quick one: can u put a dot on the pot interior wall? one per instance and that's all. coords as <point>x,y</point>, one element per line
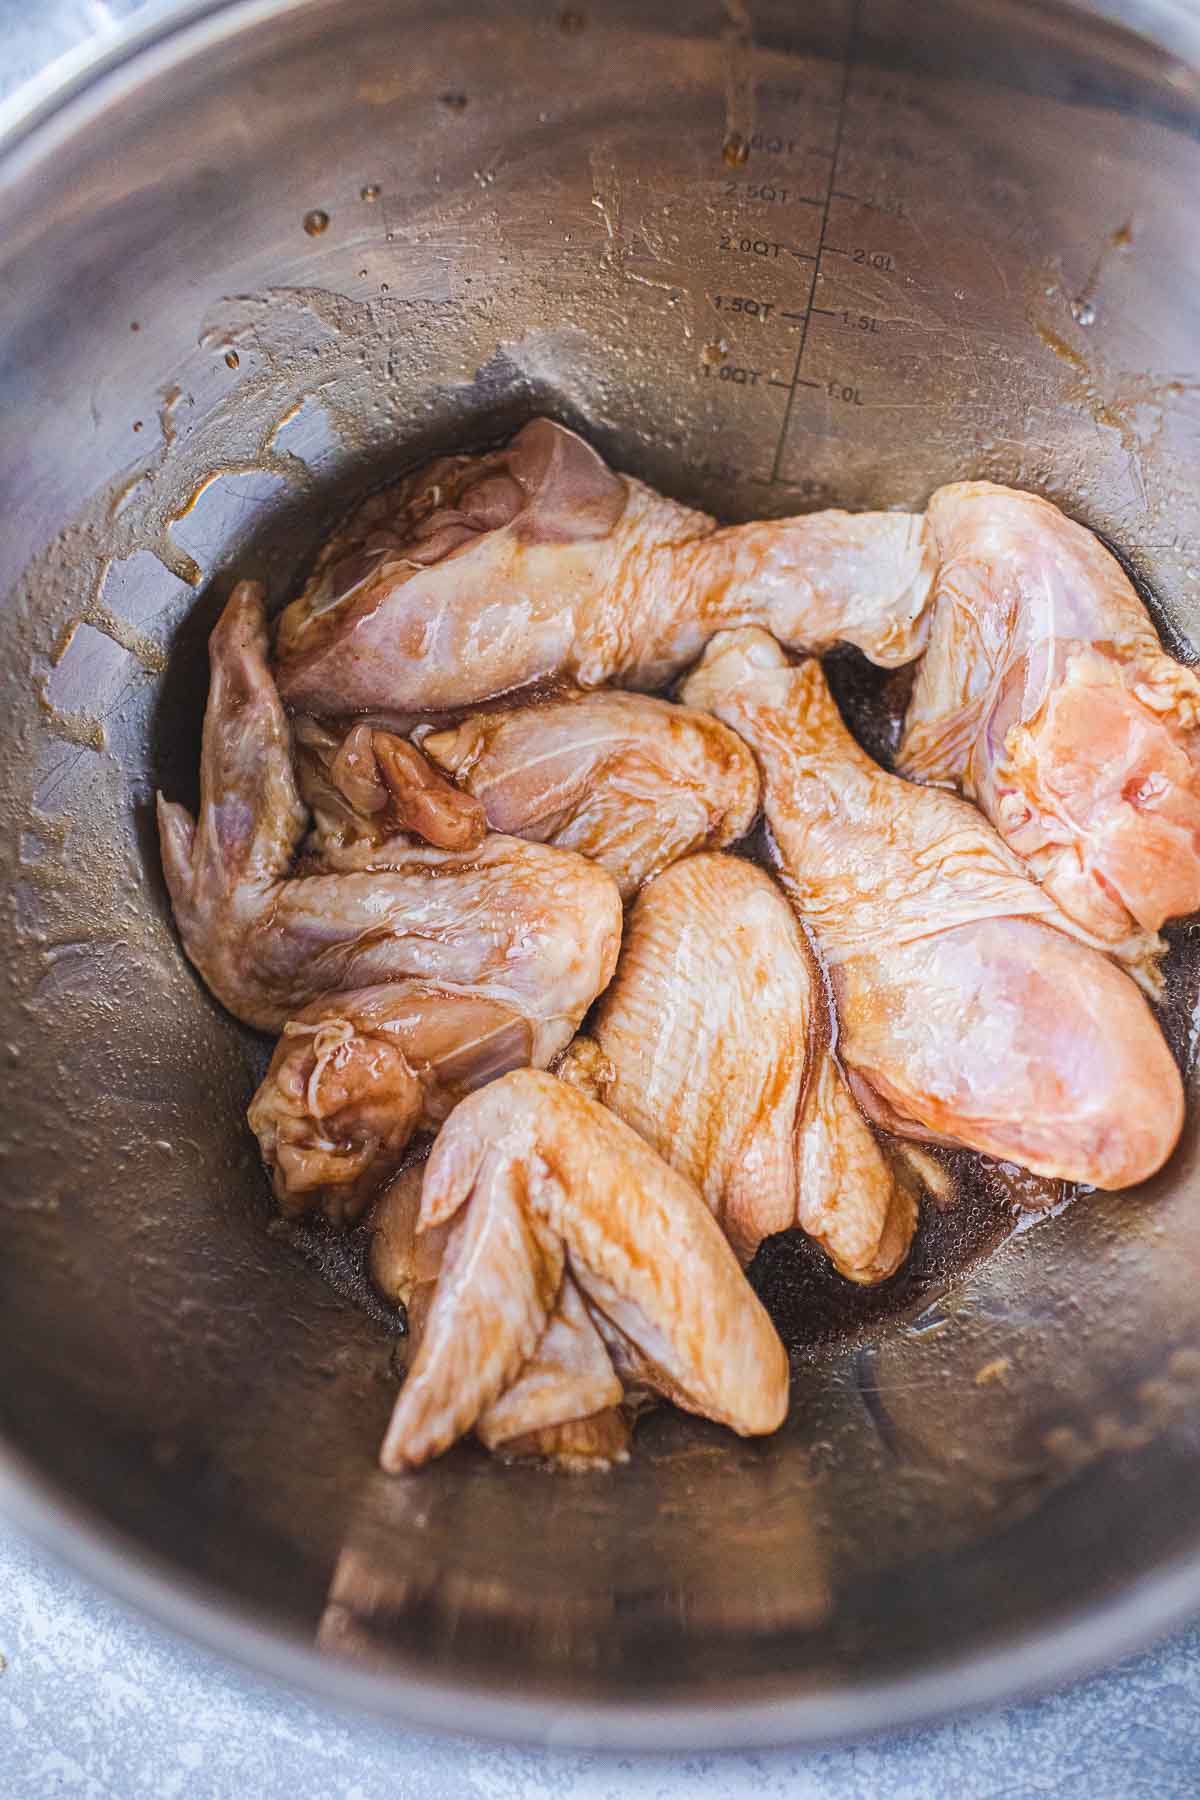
<point>857,249</point>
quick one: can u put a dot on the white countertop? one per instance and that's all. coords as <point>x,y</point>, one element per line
<point>97,1704</point>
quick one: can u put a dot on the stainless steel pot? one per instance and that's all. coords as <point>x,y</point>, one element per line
<point>770,257</point>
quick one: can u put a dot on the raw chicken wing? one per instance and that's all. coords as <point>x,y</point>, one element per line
<point>716,1042</point>
<point>368,785</point>
<point>631,782</point>
<point>224,867</point>
<point>562,1407</point>
<point>967,1014</point>
<point>479,575</point>
<point>354,1075</point>
<point>528,926</point>
<point>538,1181</point>
<point>403,1262</point>
<point>1046,697</point>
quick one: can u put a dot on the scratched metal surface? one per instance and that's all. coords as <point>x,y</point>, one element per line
<point>765,374</point>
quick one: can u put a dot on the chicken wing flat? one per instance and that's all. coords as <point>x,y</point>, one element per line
<point>538,1179</point>
<point>479,575</point>
<point>716,1044</point>
<point>528,926</point>
<point>525,924</point>
<point>631,782</point>
<point>1046,697</point>
<point>967,1013</point>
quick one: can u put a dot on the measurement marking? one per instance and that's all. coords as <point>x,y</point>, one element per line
<point>826,312</point>
<point>787,315</point>
<point>847,67</point>
<point>802,256</point>
<point>841,194</point>
<point>832,250</point>
<point>800,381</point>
<point>752,191</point>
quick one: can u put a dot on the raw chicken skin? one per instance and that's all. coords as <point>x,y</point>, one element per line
<point>715,1036</point>
<point>967,1014</point>
<point>1046,697</point>
<point>540,937</point>
<point>527,926</point>
<point>388,786</point>
<point>568,1379</point>
<point>631,782</point>
<point>223,868</point>
<point>353,1076</point>
<point>576,1445</point>
<point>346,816</point>
<point>562,1407</point>
<point>480,575</point>
<point>404,1262</point>
<point>538,1181</point>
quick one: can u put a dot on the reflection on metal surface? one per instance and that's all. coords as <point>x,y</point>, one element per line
<point>595,1573</point>
<point>874,274</point>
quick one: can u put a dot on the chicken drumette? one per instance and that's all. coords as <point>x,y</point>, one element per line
<point>967,1013</point>
<point>479,575</point>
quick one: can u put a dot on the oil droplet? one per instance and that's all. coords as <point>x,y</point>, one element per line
<point>316,221</point>
<point>137,424</point>
<point>370,192</point>
<point>571,21</point>
<point>736,150</point>
<point>1083,312</point>
<point>362,274</point>
<point>714,354</point>
<point>134,326</point>
<point>383,287</point>
<point>453,102</point>
<point>232,359</point>
<point>1122,237</point>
